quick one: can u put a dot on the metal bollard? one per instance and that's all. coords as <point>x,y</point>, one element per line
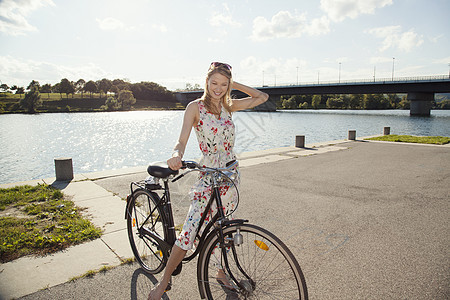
<point>300,141</point>
<point>386,130</point>
<point>63,169</point>
<point>352,135</point>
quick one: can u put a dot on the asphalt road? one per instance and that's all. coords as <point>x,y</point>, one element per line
<point>370,221</point>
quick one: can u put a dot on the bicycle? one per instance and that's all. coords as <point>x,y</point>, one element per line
<point>257,264</point>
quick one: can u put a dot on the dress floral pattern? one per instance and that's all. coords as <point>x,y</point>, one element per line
<point>215,136</point>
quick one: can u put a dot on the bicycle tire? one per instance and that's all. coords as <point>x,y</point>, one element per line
<point>143,211</point>
<point>271,266</point>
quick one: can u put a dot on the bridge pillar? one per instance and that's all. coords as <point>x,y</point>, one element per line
<point>420,103</point>
<point>181,98</point>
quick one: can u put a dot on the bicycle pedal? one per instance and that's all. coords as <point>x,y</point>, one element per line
<point>168,288</point>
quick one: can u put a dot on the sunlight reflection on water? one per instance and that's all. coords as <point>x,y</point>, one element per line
<point>114,140</point>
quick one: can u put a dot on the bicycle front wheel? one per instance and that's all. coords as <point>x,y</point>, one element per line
<point>262,265</point>
<point>144,213</point>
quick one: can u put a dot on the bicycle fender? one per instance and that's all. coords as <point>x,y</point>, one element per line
<point>126,206</point>
<point>228,223</point>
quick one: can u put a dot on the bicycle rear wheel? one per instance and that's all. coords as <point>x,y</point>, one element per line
<point>143,212</point>
<point>264,267</point>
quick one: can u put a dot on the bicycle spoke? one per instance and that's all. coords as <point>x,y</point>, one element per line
<point>263,259</point>
<point>145,214</point>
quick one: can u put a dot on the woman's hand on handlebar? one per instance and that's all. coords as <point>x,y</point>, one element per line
<point>175,163</point>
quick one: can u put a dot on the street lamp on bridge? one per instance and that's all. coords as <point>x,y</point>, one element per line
<point>393,60</point>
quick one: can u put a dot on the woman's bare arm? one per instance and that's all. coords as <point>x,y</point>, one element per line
<point>191,117</point>
<point>256,97</point>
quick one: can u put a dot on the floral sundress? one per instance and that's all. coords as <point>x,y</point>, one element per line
<point>215,137</point>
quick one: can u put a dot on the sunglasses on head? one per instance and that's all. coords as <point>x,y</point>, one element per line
<point>219,64</point>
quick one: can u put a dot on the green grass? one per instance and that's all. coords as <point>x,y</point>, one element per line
<point>39,220</point>
<point>104,269</point>
<point>438,140</point>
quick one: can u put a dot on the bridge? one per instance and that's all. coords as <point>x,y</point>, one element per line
<point>420,90</point>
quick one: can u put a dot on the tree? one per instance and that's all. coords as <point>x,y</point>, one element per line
<point>34,83</point>
<point>377,101</point>
<point>151,91</point>
<point>404,103</point>
<point>4,87</point>
<point>32,100</point>
<point>444,104</point>
<point>190,87</point>
<point>115,89</point>
<point>56,89</point>
<point>122,84</point>
<point>336,102</point>
<point>20,91</point>
<point>104,86</point>
<point>288,103</point>
<point>79,86</point>
<point>90,87</point>
<point>304,105</point>
<point>316,101</point>
<point>355,101</point>
<point>46,88</point>
<point>394,100</point>
<point>126,99</point>
<point>65,86</point>
<point>111,103</point>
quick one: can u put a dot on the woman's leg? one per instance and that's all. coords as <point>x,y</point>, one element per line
<point>176,256</point>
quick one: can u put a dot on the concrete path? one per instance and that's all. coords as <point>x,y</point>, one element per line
<point>366,220</point>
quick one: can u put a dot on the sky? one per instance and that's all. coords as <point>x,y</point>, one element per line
<point>270,43</point>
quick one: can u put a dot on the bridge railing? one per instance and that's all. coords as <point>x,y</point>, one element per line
<point>412,79</point>
<point>366,81</point>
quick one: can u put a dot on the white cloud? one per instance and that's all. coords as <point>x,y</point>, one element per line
<point>224,18</point>
<point>318,26</point>
<point>21,72</point>
<point>110,24</point>
<point>393,37</point>
<point>286,25</point>
<point>13,14</point>
<point>339,10</point>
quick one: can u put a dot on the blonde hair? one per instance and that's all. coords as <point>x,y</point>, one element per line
<point>226,100</point>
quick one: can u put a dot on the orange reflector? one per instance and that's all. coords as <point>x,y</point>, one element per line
<point>134,222</point>
<point>261,245</point>
<point>159,252</point>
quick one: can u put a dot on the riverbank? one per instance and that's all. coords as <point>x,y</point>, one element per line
<point>75,105</point>
<point>339,203</point>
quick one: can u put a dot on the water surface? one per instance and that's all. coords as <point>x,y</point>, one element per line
<point>114,140</point>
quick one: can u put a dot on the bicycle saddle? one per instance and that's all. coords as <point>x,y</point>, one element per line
<point>160,171</point>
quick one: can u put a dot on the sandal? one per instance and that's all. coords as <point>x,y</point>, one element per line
<point>222,279</point>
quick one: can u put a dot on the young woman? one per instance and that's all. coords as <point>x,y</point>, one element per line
<point>211,118</point>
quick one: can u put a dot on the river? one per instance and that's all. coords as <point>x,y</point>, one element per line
<point>114,140</point>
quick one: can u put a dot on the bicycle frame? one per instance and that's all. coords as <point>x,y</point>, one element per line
<point>165,203</point>
<point>214,227</point>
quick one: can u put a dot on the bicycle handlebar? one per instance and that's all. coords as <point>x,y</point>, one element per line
<point>194,166</point>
